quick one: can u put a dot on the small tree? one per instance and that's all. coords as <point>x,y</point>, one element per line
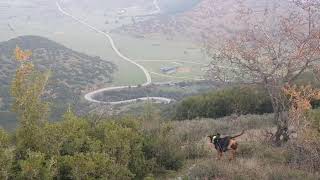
<point>300,98</point>
<point>35,166</point>
<point>27,89</point>
<point>272,49</point>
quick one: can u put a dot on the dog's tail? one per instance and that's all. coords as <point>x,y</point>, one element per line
<point>238,135</point>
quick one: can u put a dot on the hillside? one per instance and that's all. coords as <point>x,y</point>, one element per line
<point>176,6</point>
<point>206,17</point>
<point>108,4</point>
<point>73,72</point>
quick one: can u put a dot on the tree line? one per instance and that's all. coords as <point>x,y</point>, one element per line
<point>232,100</point>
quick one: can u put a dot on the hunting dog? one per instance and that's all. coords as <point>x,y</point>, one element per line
<point>224,144</point>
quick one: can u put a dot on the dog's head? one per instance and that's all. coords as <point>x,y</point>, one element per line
<point>214,136</point>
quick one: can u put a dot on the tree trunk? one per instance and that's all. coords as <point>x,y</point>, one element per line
<point>281,136</point>
<point>280,115</point>
<point>281,118</point>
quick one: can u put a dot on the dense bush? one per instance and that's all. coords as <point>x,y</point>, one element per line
<point>77,148</point>
<point>240,100</point>
<point>163,149</point>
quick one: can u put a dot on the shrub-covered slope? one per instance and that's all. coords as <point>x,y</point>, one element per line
<point>72,72</point>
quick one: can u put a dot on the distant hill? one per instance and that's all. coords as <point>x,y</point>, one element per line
<point>103,4</point>
<point>72,72</point>
<point>176,6</point>
<point>199,18</point>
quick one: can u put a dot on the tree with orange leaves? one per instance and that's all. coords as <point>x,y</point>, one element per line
<point>300,98</point>
<point>273,49</point>
<point>21,55</point>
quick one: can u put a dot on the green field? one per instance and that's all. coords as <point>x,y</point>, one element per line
<point>153,49</point>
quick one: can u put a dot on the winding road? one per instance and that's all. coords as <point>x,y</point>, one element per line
<point>156,4</point>
<point>91,96</point>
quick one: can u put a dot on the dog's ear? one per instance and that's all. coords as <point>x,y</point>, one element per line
<point>218,135</point>
<point>211,137</point>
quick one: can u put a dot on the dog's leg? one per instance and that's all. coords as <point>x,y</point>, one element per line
<point>233,147</point>
<point>219,155</point>
<point>233,154</point>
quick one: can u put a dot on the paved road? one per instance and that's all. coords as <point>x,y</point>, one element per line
<point>114,47</point>
<point>156,4</point>
<point>90,96</point>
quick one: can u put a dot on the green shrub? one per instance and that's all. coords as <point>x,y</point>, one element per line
<point>4,139</point>
<point>94,166</point>
<point>6,162</point>
<point>160,146</point>
<point>36,166</point>
<point>314,117</point>
<point>240,100</point>
<point>167,156</point>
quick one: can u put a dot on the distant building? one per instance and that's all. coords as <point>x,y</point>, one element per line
<point>121,11</point>
<point>168,70</point>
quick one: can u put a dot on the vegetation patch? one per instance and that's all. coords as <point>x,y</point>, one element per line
<point>72,73</point>
<point>240,100</point>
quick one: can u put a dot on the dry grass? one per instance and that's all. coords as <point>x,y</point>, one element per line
<point>256,159</point>
<point>196,130</point>
<point>254,162</point>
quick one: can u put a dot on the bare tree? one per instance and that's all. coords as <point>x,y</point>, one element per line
<point>273,49</point>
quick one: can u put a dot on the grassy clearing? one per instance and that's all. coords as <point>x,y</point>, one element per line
<point>256,159</point>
